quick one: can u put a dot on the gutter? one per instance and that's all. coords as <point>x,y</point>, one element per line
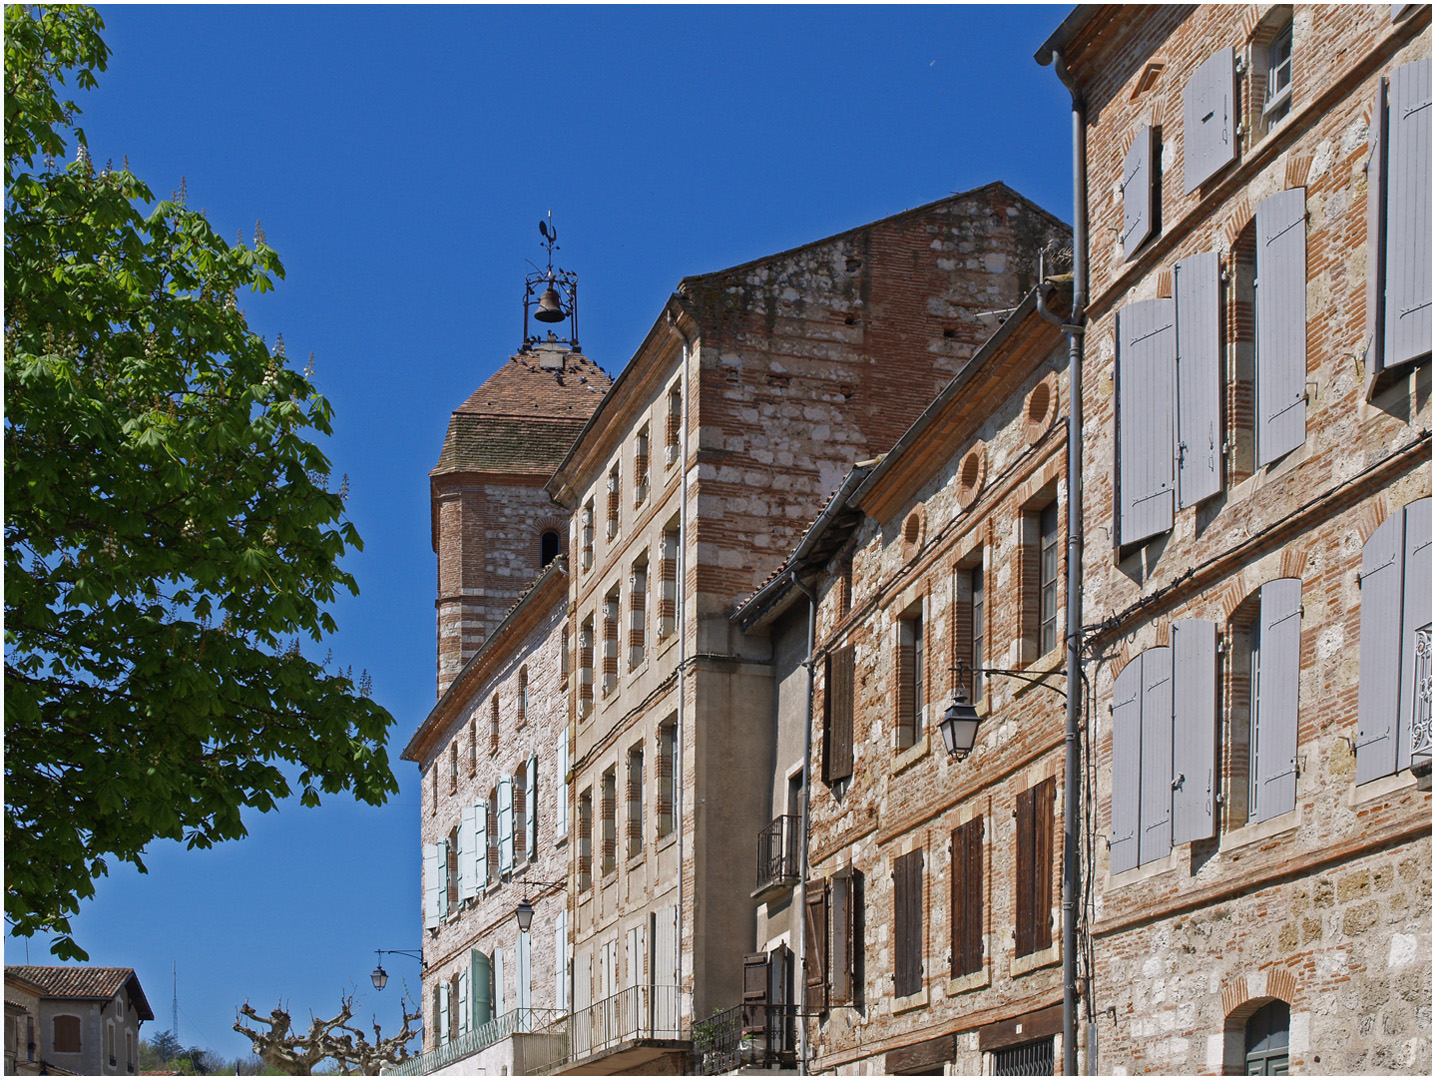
<point>801,907</point>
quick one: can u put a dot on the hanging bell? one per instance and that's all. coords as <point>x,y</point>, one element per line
<point>550,307</point>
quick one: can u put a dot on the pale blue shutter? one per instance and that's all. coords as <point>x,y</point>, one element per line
<point>500,1008</point>
<point>432,912</point>
<point>1137,192</point>
<point>1196,281</point>
<point>1281,324</point>
<point>1194,729</point>
<point>480,991</point>
<point>1415,614</point>
<point>1209,118</point>
<point>506,824</point>
<point>1277,683</point>
<point>531,817</point>
<point>1146,387</point>
<point>463,1014</point>
<point>1376,141</point>
<point>1126,765</point>
<point>444,1013</point>
<point>560,962</point>
<point>481,845</point>
<point>1154,841</point>
<point>1408,204</point>
<point>1379,676</point>
<point>560,789</point>
<point>468,843</point>
<point>524,972</point>
<point>442,876</point>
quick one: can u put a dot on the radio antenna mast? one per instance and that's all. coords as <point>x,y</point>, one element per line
<point>174,1002</point>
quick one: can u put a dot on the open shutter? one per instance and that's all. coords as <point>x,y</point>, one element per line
<point>525,972</point>
<point>465,1017</point>
<point>1044,805</point>
<point>444,1006</point>
<point>1026,871</point>
<point>1137,192</point>
<point>531,818</point>
<point>1277,680</point>
<point>506,824</point>
<point>441,876</point>
<point>500,1004</point>
<point>560,961</point>
<point>755,993</point>
<point>838,715</point>
<point>1408,204</point>
<point>1209,118</point>
<point>481,999</point>
<point>1194,729</point>
<point>560,788</point>
<point>815,953</point>
<point>1126,764</point>
<point>481,846</point>
<point>1281,324</point>
<point>1415,614</point>
<point>1376,142</point>
<point>433,912</point>
<point>1196,281</point>
<point>468,843</point>
<point>1379,682</point>
<point>1146,389</point>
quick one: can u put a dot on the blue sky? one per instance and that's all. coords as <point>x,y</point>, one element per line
<point>399,160</point>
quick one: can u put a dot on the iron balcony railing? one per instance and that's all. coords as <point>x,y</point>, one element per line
<point>514,1022</point>
<point>754,1036</point>
<point>778,847</point>
<point>1421,703</point>
<point>634,1014</point>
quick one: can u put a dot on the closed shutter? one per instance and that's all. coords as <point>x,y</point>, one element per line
<point>560,962</point>
<point>532,817</point>
<point>1376,142</point>
<point>462,1014</point>
<point>1281,324</point>
<point>1155,839</point>
<point>1408,202</point>
<point>560,788</point>
<point>468,847</point>
<point>1416,613</point>
<point>1196,280</point>
<point>444,1013</point>
<point>1137,177</point>
<point>524,973</point>
<point>755,993</point>
<point>500,1003</point>
<point>1277,681</point>
<point>907,924</point>
<point>1026,871</point>
<point>843,961</point>
<point>906,724</point>
<point>1146,389</point>
<point>663,778</point>
<point>491,831</point>
<point>1126,765</point>
<point>838,715</point>
<point>441,875</point>
<point>1194,729</point>
<point>506,824</point>
<point>480,988</point>
<point>1379,681</point>
<point>815,953</point>
<point>1209,118</point>
<point>967,898</point>
<point>1044,817</point>
<point>433,910</point>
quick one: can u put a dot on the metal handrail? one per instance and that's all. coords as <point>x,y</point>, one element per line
<point>514,1022</point>
<point>747,1036</point>
<point>779,844</point>
<point>634,1013</point>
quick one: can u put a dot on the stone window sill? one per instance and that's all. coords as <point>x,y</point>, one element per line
<point>1380,788</point>
<point>910,756</point>
<point>1152,869</point>
<point>912,1001</point>
<point>973,980</point>
<point>1042,958</point>
<point>1261,830</point>
<point>668,840</point>
<point>634,862</point>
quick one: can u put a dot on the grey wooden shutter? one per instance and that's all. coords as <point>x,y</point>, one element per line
<point>531,820</point>
<point>444,1013</point>
<point>815,954</point>
<point>506,824</point>
<point>1146,388</point>
<point>1281,324</point>
<point>463,1016</point>
<point>481,998</point>
<point>432,911</point>
<point>499,1002</point>
<point>1415,614</point>
<point>1408,202</point>
<point>560,961</point>
<point>441,877</point>
<point>1277,683</point>
<point>1194,729</point>
<point>1154,841</point>
<point>755,993</point>
<point>1379,682</point>
<point>1196,281</point>
<point>1209,118</point>
<point>468,843</point>
<point>524,973</point>
<point>1376,141</point>
<point>1126,765</point>
<point>1137,185</point>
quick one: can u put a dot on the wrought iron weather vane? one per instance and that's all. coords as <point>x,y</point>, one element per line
<point>552,293</point>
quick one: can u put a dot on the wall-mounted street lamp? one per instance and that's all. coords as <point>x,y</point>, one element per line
<point>960,722</point>
<point>380,977</point>
<point>525,911</point>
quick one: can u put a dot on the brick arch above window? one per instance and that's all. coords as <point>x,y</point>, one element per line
<point>1246,992</point>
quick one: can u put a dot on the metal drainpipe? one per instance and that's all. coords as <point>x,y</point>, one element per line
<point>680,600</point>
<point>799,977</point>
<point>1074,329</point>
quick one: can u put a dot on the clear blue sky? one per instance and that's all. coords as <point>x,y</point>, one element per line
<point>400,159</point>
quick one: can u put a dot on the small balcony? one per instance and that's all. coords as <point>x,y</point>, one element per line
<point>754,1036</point>
<point>779,846</point>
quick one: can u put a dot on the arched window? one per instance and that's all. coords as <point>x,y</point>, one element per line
<point>548,547</point>
<point>1267,1040</point>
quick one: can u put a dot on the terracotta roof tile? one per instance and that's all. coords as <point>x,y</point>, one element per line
<point>84,982</point>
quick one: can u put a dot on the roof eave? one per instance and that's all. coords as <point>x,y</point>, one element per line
<point>1069,28</point>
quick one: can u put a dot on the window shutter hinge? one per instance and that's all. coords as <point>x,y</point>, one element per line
<point>1177,781</point>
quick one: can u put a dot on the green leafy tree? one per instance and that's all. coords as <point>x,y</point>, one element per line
<point>169,529</point>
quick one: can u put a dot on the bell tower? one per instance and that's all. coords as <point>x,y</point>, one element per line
<point>493,526</point>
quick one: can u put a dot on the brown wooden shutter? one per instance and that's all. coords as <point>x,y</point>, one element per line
<point>967,898</point>
<point>755,993</point>
<point>1042,812</point>
<point>906,701</point>
<point>907,924</point>
<point>838,715</point>
<point>1025,872</point>
<point>815,953</point>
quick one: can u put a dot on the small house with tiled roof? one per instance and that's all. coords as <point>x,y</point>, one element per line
<point>73,1019</point>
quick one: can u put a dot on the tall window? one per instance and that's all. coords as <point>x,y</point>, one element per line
<point>521,828</point>
<point>907,924</point>
<point>523,701</point>
<point>967,898</point>
<point>585,839</point>
<point>979,652</point>
<point>548,547</point>
<point>585,667</point>
<point>451,869</point>
<point>967,629</point>
<point>563,657</point>
<point>494,724</point>
<point>1268,1040</point>
<point>1278,84</point>
<point>609,812</point>
<point>635,801</point>
<point>473,746</point>
<point>668,581</point>
<point>610,642</point>
<point>586,521</point>
<point>1047,630</point>
<point>675,424</point>
<point>667,776</point>
<point>838,715</point>
<point>491,831</point>
<point>640,466</point>
<point>909,678</point>
<point>638,612</point>
<point>615,492</point>
<point>453,766</point>
<point>434,788</point>
<point>1035,808</point>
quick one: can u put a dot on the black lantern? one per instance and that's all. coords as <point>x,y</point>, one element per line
<point>959,726</point>
<point>525,915</point>
<point>380,977</point>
